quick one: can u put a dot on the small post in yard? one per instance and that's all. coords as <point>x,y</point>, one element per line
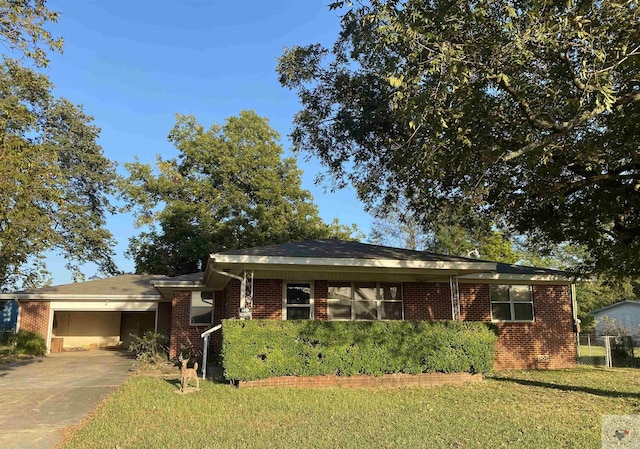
<point>204,356</point>
<point>607,352</point>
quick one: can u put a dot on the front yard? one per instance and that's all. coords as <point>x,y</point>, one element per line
<point>522,409</point>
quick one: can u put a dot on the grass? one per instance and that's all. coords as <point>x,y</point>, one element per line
<point>598,351</point>
<point>523,409</point>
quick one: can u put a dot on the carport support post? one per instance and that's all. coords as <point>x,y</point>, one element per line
<point>455,298</point>
<point>50,328</point>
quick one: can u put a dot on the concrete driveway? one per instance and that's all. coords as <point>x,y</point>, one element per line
<point>40,397</point>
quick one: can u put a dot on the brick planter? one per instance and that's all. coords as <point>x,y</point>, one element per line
<point>389,380</point>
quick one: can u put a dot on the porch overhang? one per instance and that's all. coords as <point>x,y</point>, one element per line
<point>355,269</point>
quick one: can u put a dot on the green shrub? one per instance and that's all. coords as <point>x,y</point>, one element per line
<point>259,349</point>
<point>29,343</point>
<point>150,348</point>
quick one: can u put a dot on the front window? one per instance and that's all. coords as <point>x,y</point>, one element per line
<point>364,301</point>
<point>201,308</point>
<point>511,303</point>
<point>297,301</point>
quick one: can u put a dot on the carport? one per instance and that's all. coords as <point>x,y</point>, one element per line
<point>101,324</point>
<point>94,314</point>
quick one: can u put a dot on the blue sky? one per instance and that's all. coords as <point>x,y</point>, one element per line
<point>134,64</point>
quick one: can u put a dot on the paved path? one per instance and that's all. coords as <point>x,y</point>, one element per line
<point>40,397</point>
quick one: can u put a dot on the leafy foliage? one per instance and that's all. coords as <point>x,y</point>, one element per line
<point>397,225</point>
<point>152,347</point>
<point>27,343</point>
<point>22,29</point>
<point>259,349</point>
<point>599,293</point>
<point>229,188</point>
<point>525,114</point>
<point>54,180</point>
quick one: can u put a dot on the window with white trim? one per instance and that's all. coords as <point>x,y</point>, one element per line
<point>297,303</point>
<point>364,301</point>
<point>201,308</point>
<point>511,303</point>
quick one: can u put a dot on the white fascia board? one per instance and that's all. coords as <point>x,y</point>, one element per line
<point>106,305</point>
<point>351,262</point>
<point>61,296</point>
<point>177,284</point>
<point>510,277</point>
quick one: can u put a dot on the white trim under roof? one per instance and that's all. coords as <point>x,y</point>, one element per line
<point>66,297</point>
<point>350,262</point>
<point>183,284</point>
<point>511,277</point>
<point>106,305</point>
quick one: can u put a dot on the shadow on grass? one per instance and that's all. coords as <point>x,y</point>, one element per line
<point>590,390</point>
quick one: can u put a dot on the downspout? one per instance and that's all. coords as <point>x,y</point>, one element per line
<point>574,314</point>
<point>242,286</point>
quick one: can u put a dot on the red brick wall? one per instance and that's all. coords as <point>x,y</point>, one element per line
<point>34,317</point>
<point>320,293</point>
<point>548,342</point>
<point>233,299</point>
<point>474,302</point>
<point>164,318</point>
<point>426,301</point>
<point>267,299</point>
<point>183,335</point>
<point>219,313</point>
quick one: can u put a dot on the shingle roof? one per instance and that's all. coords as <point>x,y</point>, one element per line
<point>341,249</point>
<point>521,269</point>
<point>617,304</point>
<point>126,284</point>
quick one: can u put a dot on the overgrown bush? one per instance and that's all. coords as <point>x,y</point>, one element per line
<point>150,348</point>
<point>259,349</point>
<point>27,343</point>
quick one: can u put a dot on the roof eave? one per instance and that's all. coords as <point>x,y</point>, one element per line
<point>614,305</point>
<point>222,260</point>
<point>76,297</point>
<point>512,277</point>
<point>177,284</point>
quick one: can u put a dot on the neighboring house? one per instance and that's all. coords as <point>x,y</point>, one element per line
<point>325,279</point>
<point>620,318</point>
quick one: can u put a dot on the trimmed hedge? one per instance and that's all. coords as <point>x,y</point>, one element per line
<point>259,349</point>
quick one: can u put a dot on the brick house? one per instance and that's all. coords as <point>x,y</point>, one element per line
<point>324,279</point>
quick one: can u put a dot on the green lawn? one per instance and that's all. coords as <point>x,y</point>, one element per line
<point>592,351</point>
<point>598,351</point>
<point>524,409</point>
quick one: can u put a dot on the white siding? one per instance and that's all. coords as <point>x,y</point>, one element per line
<point>625,316</point>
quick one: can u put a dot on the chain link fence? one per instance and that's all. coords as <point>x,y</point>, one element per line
<point>609,351</point>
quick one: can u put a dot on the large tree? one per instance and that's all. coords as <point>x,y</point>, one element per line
<point>526,112</point>
<point>229,188</point>
<point>396,225</point>
<point>54,179</point>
